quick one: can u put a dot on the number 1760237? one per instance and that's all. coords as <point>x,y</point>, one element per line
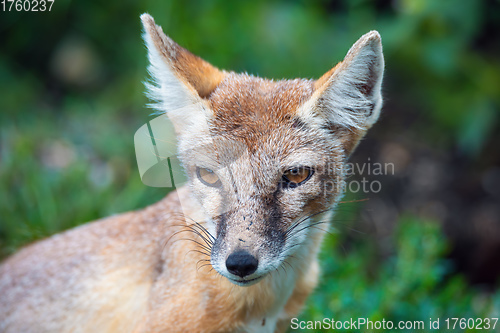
<point>26,5</point>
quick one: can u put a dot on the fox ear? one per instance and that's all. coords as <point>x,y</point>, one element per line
<point>350,93</point>
<point>348,98</point>
<point>180,79</point>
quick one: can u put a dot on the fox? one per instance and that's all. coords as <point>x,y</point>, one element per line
<point>236,248</point>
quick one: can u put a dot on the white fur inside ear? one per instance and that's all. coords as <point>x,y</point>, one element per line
<point>167,90</point>
<point>352,97</point>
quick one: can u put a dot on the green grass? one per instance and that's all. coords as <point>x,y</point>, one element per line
<point>61,171</point>
<point>412,284</point>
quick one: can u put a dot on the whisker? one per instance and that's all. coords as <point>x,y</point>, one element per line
<point>205,240</point>
<point>307,217</point>
<point>201,266</point>
<point>194,241</point>
<point>290,265</point>
<point>205,231</point>
<point>201,252</point>
<point>190,229</point>
<point>351,201</point>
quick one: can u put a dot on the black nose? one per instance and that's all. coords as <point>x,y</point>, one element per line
<point>241,263</point>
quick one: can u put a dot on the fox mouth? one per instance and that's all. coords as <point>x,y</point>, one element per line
<point>245,282</point>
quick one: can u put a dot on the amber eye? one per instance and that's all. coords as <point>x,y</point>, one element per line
<point>296,176</point>
<point>207,177</point>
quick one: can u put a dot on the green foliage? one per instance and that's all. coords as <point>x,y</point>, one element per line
<point>412,284</point>
<point>52,180</point>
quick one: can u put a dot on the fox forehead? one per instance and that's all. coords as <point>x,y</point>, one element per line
<point>259,111</point>
<point>242,99</point>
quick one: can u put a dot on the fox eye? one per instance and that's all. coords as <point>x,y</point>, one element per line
<point>296,176</point>
<point>208,177</point>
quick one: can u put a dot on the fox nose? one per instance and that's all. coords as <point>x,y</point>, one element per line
<point>241,263</point>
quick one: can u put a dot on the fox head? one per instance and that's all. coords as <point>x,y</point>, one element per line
<point>264,158</point>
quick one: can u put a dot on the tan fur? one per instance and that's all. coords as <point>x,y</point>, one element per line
<point>154,270</point>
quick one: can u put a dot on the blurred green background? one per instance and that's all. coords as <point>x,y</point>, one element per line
<point>426,246</point>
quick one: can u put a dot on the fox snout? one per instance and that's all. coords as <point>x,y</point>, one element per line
<point>248,243</point>
<point>242,265</point>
